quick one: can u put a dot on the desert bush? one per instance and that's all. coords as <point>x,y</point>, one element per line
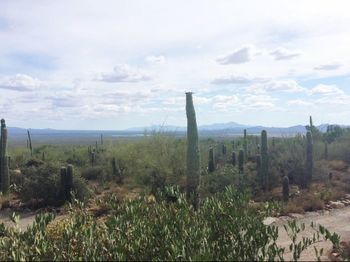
<point>218,180</point>
<point>42,185</point>
<point>224,228</point>
<point>95,173</point>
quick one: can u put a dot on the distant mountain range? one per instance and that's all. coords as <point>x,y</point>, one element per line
<point>217,129</point>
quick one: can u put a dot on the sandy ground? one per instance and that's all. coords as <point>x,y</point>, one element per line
<point>336,220</point>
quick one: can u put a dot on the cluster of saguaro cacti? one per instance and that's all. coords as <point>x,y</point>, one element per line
<point>193,157</point>
<point>285,188</point>
<point>116,171</point>
<point>241,161</point>
<point>264,161</point>
<point>4,160</point>
<point>211,162</point>
<point>67,174</point>
<point>309,159</point>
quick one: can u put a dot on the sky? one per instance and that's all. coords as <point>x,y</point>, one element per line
<point>112,64</point>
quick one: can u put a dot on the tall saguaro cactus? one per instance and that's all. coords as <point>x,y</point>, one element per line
<point>258,169</point>
<point>264,160</point>
<point>193,158</point>
<point>245,145</point>
<point>241,161</point>
<point>285,188</point>
<point>309,158</point>
<point>116,171</point>
<point>67,174</point>
<point>4,160</point>
<point>30,143</point>
<point>211,162</point>
<point>233,158</point>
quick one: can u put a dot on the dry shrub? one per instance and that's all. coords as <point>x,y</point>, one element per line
<point>338,165</point>
<point>291,207</point>
<point>310,201</point>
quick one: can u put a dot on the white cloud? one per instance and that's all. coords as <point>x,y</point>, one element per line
<point>298,102</point>
<point>155,59</point>
<point>289,86</point>
<point>239,56</point>
<point>329,66</point>
<point>124,73</point>
<point>20,82</point>
<point>282,53</point>
<point>322,89</point>
<point>259,102</point>
<point>238,79</point>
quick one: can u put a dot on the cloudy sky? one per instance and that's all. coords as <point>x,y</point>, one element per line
<point>117,64</point>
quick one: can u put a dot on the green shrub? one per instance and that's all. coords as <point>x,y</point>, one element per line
<point>218,180</point>
<point>94,173</point>
<point>42,185</point>
<point>224,228</point>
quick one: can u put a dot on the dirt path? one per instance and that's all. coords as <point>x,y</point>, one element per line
<point>336,220</point>
<point>26,218</point>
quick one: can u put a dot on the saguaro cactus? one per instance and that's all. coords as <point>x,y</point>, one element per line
<point>93,158</point>
<point>285,188</point>
<point>116,171</point>
<point>233,158</point>
<point>309,158</point>
<point>211,162</point>
<point>241,161</point>
<point>69,182</point>
<point>193,158</point>
<point>63,182</point>
<point>245,145</point>
<point>4,160</point>
<point>264,161</point>
<point>258,169</point>
<point>30,143</point>
<point>224,149</point>
<point>101,139</point>
<point>325,150</point>
<point>43,156</point>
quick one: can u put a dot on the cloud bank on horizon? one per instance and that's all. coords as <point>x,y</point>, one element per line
<point>114,64</point>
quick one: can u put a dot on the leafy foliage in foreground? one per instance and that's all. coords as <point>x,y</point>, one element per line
<point>224,228</point>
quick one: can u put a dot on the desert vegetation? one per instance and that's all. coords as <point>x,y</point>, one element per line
<point>165,197</point>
